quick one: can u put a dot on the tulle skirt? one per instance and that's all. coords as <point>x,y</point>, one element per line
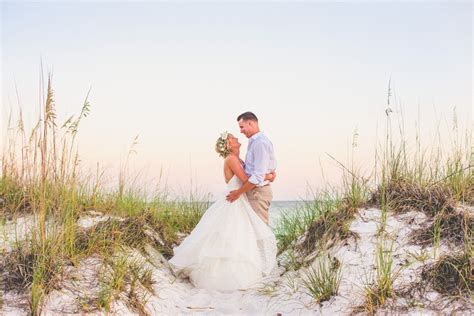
<point>231,248</point>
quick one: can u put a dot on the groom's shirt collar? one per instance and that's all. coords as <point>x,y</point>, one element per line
<point>255,136</point>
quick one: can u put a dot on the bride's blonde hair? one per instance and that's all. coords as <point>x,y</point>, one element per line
<point>222,145</point>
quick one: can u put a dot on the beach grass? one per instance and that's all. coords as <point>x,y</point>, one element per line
<point>294,223</point>
<point>41,182</point>
<point>322,280</point>
<point>437,181</point>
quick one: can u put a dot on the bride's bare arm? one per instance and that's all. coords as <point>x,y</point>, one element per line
<point>234,165</point>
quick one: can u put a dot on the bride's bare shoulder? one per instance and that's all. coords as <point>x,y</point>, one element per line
<point>232,162</point>
<point>231,159</point>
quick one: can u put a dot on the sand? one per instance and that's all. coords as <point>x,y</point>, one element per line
<point>282,292</point>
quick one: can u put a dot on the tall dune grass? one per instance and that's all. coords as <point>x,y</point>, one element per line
<point>41,179</point>
<point>406,176</point>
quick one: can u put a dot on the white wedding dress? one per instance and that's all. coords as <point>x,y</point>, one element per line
<point>231,248</point>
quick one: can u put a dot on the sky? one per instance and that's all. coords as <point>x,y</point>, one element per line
<point>177,74</point>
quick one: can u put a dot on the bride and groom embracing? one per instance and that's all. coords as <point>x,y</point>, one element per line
<point>232,247</point>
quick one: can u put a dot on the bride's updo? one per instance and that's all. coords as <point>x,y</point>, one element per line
<point>222,145</point>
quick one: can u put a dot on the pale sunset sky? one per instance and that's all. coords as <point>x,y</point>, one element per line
<point>179,73</point>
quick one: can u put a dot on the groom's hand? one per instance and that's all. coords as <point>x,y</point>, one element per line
<point>233,195</point>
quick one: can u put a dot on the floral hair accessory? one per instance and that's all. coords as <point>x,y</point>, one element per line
<point>222,147</point>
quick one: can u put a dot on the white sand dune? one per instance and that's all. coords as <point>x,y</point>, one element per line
<point>281,293</point>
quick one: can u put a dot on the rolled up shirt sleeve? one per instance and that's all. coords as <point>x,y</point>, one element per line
<point>261,159</point>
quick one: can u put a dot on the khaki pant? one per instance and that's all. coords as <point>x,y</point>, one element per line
<point>260,199</point>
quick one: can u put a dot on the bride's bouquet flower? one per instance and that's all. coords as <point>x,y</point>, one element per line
<point>222,145</point>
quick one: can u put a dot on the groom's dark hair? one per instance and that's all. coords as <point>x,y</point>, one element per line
<point>247,116</point>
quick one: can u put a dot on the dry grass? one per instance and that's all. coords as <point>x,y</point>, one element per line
<point>451,275</point>
<point>29,267</point>
<point>449,227</point>
<point>137,231</point>
<point>404,195</point>
<point>329,228</point>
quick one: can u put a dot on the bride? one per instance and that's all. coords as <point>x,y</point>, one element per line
<point>231,247</point>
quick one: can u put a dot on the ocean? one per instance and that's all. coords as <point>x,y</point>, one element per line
<point>278,207</point>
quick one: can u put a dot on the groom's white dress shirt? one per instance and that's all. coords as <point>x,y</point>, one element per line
<point>260,159</point>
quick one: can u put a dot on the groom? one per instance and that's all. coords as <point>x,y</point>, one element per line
<point>260,160</point>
